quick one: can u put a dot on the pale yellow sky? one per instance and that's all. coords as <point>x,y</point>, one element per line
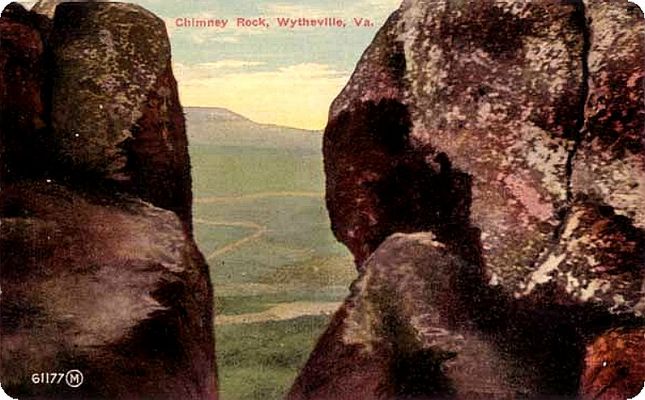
<point>276,76</point>
<point>295,96</point>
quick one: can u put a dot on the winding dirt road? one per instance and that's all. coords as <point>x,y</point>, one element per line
<point>278,312</point>
<point>256,196</point>
<point>259,230</point>
<point>281,312</point>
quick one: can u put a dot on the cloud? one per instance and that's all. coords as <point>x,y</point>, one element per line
<point>230,64</point>
<point>295,11</point>
<point>207,70</point>
<point>310,70</point>
<point>296,95</point>
<point>372,9</point>
<point>225,39</point>
<point>379,5</point>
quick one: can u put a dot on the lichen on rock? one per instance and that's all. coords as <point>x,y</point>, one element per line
<point>420,323</point>
<point>513,131</point>
<point>503,93</point>
<point>107,57</point>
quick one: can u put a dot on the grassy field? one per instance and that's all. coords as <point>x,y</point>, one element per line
<point>257,361</point>
<point>261,221</point>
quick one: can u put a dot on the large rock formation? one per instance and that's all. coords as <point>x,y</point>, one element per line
<point>109,285</point>
<point>100,272</point>
<point>22,105</point>
<point>513,131</point>
<point>115,111</point>
<point>419,323</point>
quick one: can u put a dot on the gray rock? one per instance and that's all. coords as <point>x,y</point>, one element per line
<point>107,58</point>
<point>491,116</point>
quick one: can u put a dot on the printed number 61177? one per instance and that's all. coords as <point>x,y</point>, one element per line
<point>73,378</point>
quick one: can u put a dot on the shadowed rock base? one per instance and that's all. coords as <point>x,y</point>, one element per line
<point>105,284</point>
<point>420,325</point>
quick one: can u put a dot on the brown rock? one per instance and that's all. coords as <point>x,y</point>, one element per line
<point>610,164</point>
<point>513,131</point>
<point>158,160</point>
<point>105,284</point>
<point>22,106</point>
<point>420,324</point>
<point>614,366</point>
<point>388,340</point>
<point>505,136</point>
<point>377,183</point>
<point>599,256</point>
<point>100,272</point>
<point>598,259</point>
<point>480,118</point>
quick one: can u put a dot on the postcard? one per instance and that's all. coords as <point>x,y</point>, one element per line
<point>322,199</point>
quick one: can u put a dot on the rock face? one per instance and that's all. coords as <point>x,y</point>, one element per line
<point>47,8</point>
<point>115,110</point>
<point>22,107</point>
<point>513,132</point>
<point>419,323</point>
<point>108,285</point>
<point>609,165</point>
<point>614,366</point>
<point>100,272</point>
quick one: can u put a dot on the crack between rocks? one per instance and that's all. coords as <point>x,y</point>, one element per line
<point>581,125</point>
<point>579,133</point>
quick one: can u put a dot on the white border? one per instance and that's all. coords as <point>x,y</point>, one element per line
<point>641,4</point>
<point>4,396</point>
<point>3,4</point>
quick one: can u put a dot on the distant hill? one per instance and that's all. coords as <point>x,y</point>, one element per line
<point>222,127</point>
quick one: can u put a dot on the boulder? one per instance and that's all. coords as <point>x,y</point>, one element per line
<point>478,107</point>
<point>420,324</point>
<point>115,113</point>
<point>490,115</point>
<point>513,132</point>
<point>107,285</point>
